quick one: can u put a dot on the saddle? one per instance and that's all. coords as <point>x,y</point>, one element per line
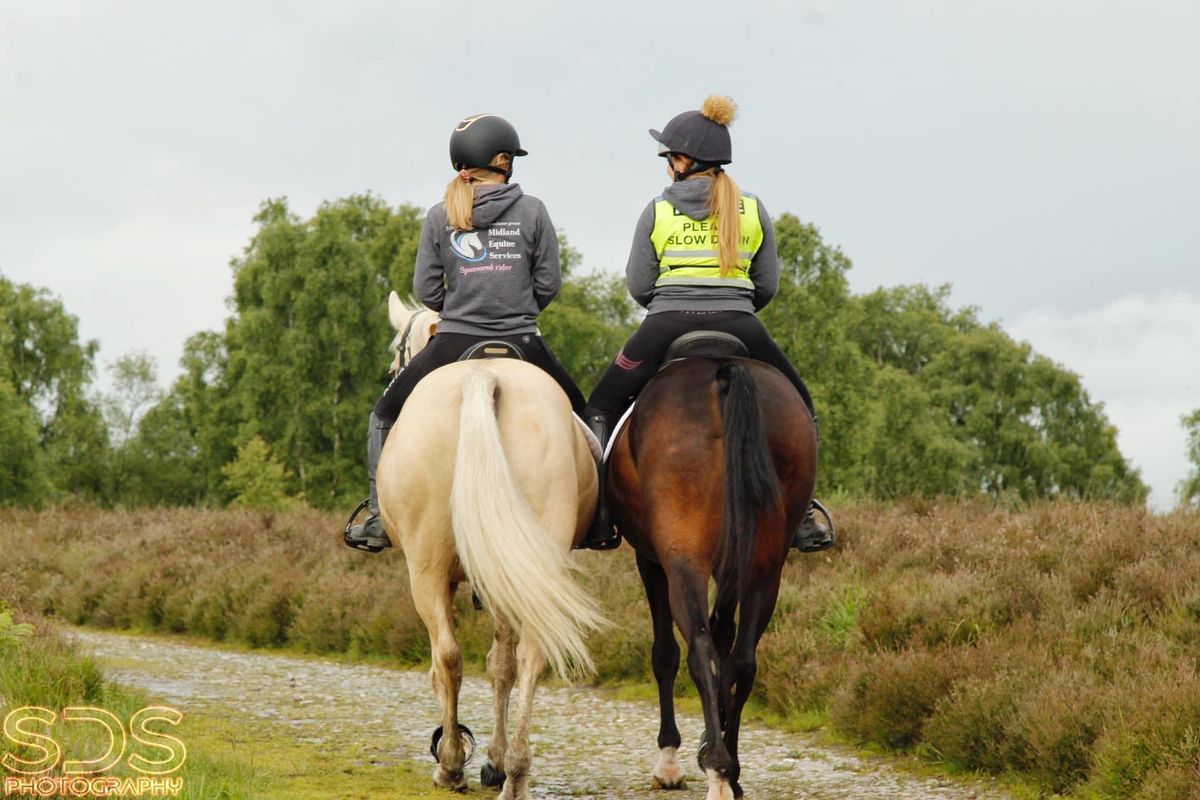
<point>706,343</point>
<point>492,348</point>
<point>495,348</point>
<point>713,344</point>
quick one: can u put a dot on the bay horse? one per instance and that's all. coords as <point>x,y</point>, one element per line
<point>711,477</point>
<point>487,478</point>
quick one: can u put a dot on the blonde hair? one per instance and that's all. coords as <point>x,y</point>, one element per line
<point>724,198</point>
<point>460,192</point>
<point>724,203</point>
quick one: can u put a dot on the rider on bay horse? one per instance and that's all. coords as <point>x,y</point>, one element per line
<point>703,258</point>
<point>488,262</point>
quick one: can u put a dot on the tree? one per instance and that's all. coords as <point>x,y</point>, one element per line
<point>912,450</point>
<point>47,369</point>
<point>811,319</point>
<point>257,479</point>
<point>589,321</point>
<point>1189,487</point>
<point>907,326</point>
<point>1036,432</point>
<point>135,388</point>
<point>23,479</point>
<point>307,343</point>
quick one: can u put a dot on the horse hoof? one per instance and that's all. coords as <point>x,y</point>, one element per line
<point>454,781</point>
<point>659,783</point>
<point>737,790</point>
<point>490,776</point>
<point>667,773</point>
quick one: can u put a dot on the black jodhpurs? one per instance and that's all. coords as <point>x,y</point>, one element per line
<point>445,348</point>
<point>642,355</point>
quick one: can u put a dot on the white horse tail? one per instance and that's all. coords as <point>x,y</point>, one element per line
<point>515,566</point>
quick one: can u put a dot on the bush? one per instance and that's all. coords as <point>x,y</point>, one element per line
<point>1056,642</point>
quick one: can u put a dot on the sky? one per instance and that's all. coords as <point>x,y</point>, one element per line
<point>1040,156</point>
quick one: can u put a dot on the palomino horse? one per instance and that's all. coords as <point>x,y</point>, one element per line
<point>487,478</point>
<point>710,477</point>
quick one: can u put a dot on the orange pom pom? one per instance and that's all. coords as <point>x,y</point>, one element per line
<point>719,108</point>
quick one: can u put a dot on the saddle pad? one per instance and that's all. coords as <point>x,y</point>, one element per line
<point>592,442</point>
<point>612,437</point>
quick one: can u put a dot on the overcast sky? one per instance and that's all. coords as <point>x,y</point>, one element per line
<point>1041,156</point>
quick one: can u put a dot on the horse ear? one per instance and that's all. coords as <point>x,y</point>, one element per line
<point>397,313</point>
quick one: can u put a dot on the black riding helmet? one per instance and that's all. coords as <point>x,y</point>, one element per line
<point>478,138</point>
<point>702,136</point>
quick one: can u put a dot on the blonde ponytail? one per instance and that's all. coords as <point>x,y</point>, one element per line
<point>724,202</point>
<point>460,192</point>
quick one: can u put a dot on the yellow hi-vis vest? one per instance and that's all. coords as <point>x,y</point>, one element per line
<point>688,249</point>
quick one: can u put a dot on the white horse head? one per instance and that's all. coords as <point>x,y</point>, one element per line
<point>420,323</point>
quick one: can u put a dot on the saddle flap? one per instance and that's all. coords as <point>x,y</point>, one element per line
<point>492,348</point>
<point>706,343</point>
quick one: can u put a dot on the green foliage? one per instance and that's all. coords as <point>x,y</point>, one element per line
<point>11,633</point>
<point>44,372</point>
<point>23,478</point>
<point>257,480</point>
<point>914,397</point>
<point>587,324</point>
<point>1033,428</point>
<point>1189,488</point>
<point>135,386</point>
<point>306,357</point>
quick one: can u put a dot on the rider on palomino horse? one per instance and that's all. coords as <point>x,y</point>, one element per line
<point>488,262</point>
<point>703,258</point>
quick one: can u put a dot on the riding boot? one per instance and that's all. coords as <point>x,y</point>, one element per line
<point>601,535</point>
<point>815,534</point>
<point>370,536</point>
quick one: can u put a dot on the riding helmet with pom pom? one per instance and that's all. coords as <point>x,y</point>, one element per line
<point>700,135</point>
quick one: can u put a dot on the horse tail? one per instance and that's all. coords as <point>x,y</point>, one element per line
<point>512,562</point>
<point>751,483</point>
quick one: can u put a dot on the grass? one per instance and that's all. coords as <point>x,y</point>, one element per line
<point>1057,644</point>
<point>39,668</point>
<point>225,759</point>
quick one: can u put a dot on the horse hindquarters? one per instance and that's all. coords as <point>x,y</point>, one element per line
<point>520,570</point>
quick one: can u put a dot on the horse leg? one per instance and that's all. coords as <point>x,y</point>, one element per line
<point>502,670</point>
<point>689,606</point>
<point>432,598</point>
<point>723,628</point>
<point>530,663</point>
<point>742,665</point>
<point>664,657</point>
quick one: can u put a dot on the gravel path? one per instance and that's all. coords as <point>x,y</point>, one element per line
<point>586,744</point>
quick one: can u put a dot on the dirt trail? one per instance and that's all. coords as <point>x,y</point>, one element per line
<point>586,744</point>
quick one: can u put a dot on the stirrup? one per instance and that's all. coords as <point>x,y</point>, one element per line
<point>359,544</point>
<point>608,543</point>
<point>814,545</point>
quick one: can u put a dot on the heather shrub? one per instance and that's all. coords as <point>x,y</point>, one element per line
<point>969,727</point>
<point>1057,642</point>
<point>1054,726</point>
<point>889,697</point>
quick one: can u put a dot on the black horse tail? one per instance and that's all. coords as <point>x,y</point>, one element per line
<point>751,483</point>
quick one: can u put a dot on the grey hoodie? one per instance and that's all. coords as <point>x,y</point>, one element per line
<point>493,279</point>
<point>691,197</point>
